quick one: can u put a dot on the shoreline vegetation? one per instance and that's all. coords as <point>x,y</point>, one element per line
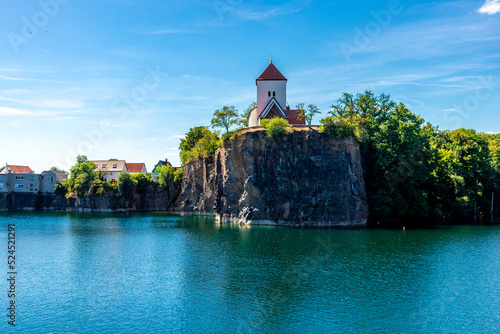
<point>414,172</point>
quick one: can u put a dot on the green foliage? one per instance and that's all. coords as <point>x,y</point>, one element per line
<point>275,127</point>
<point>203,145</point>
<point>341,127</point>
<point>61,188</point>
<point>225,118</point>
<point>192,137</point>
<point>99,187</point>
<point>178,175</point>
<point>401,167</point>
<point>308,114</point>
<point>246,114</point>
<point>126,185</point>
<point>55,169</point>
<point>82,174</point>
<point>415,171</point>
<point>166,175</point>
<point>141,182</point>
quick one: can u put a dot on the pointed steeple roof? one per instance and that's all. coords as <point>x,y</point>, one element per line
<point>271,73</point>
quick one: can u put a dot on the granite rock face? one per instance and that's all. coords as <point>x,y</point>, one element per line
<point>154,199</point>
<point>303,178</point>
<point>197,194</point>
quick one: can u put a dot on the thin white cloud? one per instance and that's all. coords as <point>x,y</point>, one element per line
<point>46,104</point>
<point>5,111</point>
<point>258,15</point>
<point>3,77</point>
<point>490,7</point>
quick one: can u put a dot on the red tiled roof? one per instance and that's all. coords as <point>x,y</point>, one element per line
<point>135,167</point>
<point>19,169</point>
<point>293,117</point>
<point>271,73</point>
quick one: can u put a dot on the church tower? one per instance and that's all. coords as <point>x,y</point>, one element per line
<point>271,84</point>
<point>271,99</point>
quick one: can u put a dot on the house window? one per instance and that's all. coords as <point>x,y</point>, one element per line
<point>274,93</point>
<point>114,166</point>
<point>32,177</point>
<point>269,93</point>
<point>51,179</point>
<point>19,177</point>
<point>1,177</point>
<point>103,165</point>
<point>41,177</point>
<point>31,185</point>
<point>19,186</point>
<point>1,185</point>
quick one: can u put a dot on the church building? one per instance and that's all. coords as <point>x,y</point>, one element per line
<point>271,99</point>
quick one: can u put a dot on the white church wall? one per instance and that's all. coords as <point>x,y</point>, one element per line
<point>266,86</point>
<point>253,119</point>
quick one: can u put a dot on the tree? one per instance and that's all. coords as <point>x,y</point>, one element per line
<point>246,114</point>
<point>166,175</point>
<point>142,182</point>
<point>225,118</point>
<point>82,175</point>
<point>192,137</point>
<point>198,143</point>
<point>312,110</point>
<point>126,185</point>
<point>344,106</point>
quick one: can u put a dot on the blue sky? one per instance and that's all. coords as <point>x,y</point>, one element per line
<point>126,79</point>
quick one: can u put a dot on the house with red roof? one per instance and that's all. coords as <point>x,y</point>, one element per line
<point>136,168</point>
<point>271,99</point>
<point>15,178</point>
<point>22,179</point>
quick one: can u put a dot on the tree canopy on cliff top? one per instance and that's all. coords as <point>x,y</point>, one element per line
<point>416,171</point>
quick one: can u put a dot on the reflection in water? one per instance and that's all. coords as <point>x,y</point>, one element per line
<point>89,273</point>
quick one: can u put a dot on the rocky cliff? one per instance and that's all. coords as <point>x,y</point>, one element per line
<point>197,195</point>
<point>302,178</point>
<point>154,199</point>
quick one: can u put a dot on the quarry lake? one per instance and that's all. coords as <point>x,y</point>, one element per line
<point>159,273</point>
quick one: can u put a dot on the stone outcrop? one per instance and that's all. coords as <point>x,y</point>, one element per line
<point>303,178</point>
<point>154,199</point>
<point>197,195</point>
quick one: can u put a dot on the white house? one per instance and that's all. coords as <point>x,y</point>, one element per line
<point>271,99</point>
<point>110,168</point>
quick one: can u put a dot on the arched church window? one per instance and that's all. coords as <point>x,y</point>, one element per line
<point>269,93</point>
<point>274,93</point>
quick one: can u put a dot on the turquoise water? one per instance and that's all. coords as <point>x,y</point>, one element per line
<point>82,273</point>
